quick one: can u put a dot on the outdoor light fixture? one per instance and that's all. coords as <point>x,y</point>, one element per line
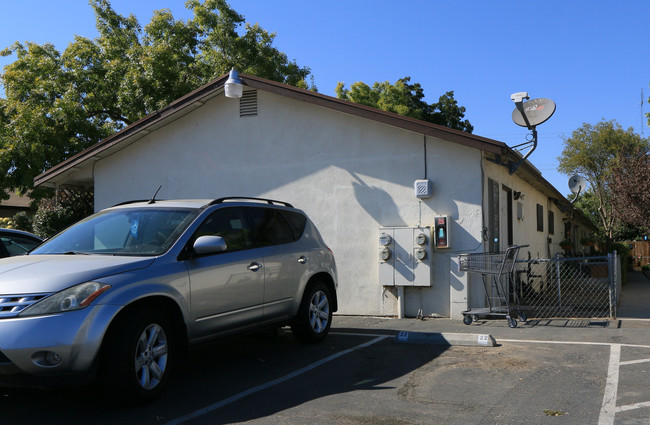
<point>233,86</point>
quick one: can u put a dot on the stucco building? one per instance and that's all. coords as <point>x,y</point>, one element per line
<point>353,169</point>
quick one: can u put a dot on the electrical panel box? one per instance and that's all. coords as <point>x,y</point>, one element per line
<point>441,232</point>
<point>405,256</point>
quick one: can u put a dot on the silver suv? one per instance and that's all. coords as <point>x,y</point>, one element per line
<point>123,291</point>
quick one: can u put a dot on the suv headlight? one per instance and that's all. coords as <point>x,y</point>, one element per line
<point>74,298</point>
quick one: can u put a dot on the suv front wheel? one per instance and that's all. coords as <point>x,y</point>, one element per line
<point>314,318</point>
<point>138,356</point>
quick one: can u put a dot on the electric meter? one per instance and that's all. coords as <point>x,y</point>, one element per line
<point>421,239</point>
<point>385,254</point>
<point>420,253</point>
<point>385,239</point>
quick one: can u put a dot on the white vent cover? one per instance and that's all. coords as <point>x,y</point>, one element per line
<point>423,188</point>
<point>248,104</point>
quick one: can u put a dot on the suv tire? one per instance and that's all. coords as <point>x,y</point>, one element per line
<point>314,318</point>
<point>138,356</point>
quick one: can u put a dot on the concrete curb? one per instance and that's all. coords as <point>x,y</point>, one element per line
<point>449,339</point>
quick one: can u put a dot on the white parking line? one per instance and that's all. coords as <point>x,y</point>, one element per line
<point>607,413</point>
<point>635,362</point>
<point>270,384</point>
<point>609,408</point>
<point>535,341</point>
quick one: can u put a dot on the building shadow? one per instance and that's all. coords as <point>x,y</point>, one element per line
<point>227,382</point>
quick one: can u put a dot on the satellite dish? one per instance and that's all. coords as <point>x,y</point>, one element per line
<point>577,184</point>
<point>537,111</point>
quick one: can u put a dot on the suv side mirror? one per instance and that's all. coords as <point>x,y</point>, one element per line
<point>209,245</point>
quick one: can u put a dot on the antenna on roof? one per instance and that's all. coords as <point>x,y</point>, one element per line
<point>529,114</point>
<point>153,198</point>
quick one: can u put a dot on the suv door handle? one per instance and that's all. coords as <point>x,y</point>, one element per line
<point>302,259</point>
<point>254,266</point>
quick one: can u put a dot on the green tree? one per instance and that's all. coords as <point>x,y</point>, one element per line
<point>631,187</point>
<point>57,104</point>
<point>407,99</point>
<point>587,203</point>
<point>594,151</point>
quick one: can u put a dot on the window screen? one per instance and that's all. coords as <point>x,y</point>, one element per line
<point>540,218</point>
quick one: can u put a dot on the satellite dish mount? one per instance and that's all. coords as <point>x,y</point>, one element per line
<point>529,114</point>
<point>577,184</point>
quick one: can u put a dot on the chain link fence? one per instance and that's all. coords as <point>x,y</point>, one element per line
<point>585,287</point>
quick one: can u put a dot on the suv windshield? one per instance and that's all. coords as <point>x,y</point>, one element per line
<point>127,231</point>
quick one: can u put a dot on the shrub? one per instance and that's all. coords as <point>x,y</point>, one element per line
<point>50,220</point>
<point>22,221</point>
<point>51,217</point>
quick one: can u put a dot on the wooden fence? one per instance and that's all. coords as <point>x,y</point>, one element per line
<point>640,252</point>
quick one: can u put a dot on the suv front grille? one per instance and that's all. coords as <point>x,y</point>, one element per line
<point>11,305</point>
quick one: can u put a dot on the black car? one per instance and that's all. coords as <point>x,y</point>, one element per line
<point>16,242</point>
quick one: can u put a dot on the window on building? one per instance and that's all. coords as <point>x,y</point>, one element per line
<point>540,218</point>
<point>551,223</point>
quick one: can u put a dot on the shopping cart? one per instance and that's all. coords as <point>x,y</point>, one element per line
<point>497,273</point>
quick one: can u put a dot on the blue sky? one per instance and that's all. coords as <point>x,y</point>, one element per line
<point>591,57</point>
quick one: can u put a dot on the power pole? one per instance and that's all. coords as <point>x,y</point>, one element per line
<point>642,116</point>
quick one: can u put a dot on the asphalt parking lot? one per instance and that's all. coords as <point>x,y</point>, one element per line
<point>554,371</point>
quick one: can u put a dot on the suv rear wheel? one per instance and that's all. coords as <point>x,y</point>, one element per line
<point>314,318</point>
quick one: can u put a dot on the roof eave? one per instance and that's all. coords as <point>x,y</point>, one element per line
<point>142,127</point>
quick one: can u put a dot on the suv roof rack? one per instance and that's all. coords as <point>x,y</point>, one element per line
<point>233,198</point>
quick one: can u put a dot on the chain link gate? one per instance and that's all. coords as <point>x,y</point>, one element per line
<point>584,287</point>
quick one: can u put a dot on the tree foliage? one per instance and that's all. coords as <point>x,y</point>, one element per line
<point>588,204</point>
<point>57,104</point>
<point>407,99</point>
<point>631,185</point>
<point>595,152</point>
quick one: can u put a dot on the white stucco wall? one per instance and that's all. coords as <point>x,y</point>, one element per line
<point>525,230</point>
<point>350,175</point>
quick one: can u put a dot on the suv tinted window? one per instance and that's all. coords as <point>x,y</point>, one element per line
<point>230,224</point>
<point>270,226</point>
<point>296,221</point>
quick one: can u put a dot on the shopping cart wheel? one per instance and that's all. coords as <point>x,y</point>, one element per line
<point>467,320</point>
<point>512,322</point>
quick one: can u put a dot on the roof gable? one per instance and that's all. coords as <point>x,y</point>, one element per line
<point>61,172</point>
